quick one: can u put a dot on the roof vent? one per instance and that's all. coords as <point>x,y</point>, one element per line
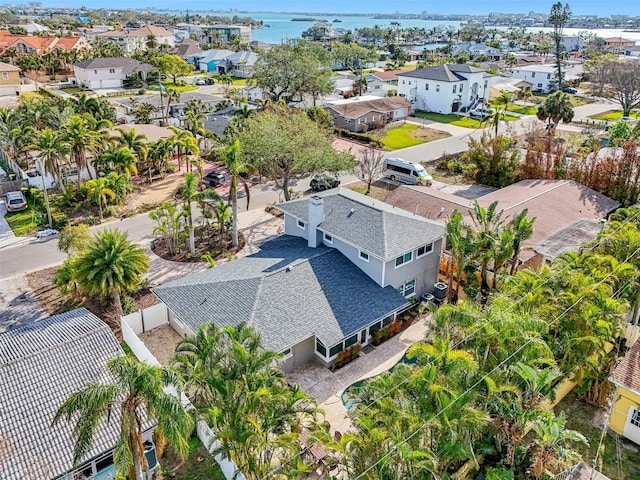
<point>351,212</point>
<point>289,268</point>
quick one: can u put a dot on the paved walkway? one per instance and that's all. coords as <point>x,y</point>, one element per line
<point>326,387</point>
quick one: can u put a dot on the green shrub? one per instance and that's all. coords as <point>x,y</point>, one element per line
<point>128,305</point>
<point>499,474</point>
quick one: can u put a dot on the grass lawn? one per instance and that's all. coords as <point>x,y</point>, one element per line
<point>521,109</point>
<point>400,137</point>
<point>615,115</point>
<point>24,222</point>
<point>239,81</point>
<point>170,85</point>
<point>73,90</point>
<point>453,119</point>
<point>199,465</point>
<point>580,418</point>
<point>379,189</point>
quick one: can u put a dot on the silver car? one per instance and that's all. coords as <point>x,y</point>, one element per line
<point>15,201</point>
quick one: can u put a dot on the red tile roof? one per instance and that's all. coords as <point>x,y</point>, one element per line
<point>387,75</point>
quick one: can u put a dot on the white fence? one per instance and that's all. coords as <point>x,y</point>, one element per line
<point>147,319</point>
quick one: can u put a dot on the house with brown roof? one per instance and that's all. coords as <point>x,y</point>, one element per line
<point>567,213</point>
<point>379,83</point>
<point>617,44</point>
<point>367,112</point>
<point>625,415</point>
<point>24,44</point>
<point>136,39</point>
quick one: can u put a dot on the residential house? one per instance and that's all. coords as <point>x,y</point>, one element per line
<point>186,48</point>
<point>568,214</point>
<point>41,364</point>
<point>499,84</point>
<point>443,88</point>
<point>474,50</point>
<point>98,73</point>
<point>176,109</point>
<point>379,83</point>
<point>367,112</point>
<point>218,33</point>
<point>543,77</point>
<point>136,39</point>
<point>625,415</point>
<point>572,43</point>
<point>9,79</point>
<point>208,60</point>
<point>24,44</point>
<point>617,44</point>
<point>632,51</point>
<point>344,268</point>
<point>238,64</point>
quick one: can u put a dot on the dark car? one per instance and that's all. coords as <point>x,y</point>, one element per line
<point>324,182</point>
<point>214,178</point>
<point>209,81</point>
<point>569,90</point>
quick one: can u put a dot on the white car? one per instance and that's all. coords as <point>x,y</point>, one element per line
<point>46,233</point>
<point>480,112</point>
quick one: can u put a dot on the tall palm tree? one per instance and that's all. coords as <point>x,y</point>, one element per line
<point>111,265</point>
<point>460,246</point>
<point>487,223</point>
<point>121,160</point>
<point>81,141</point>
<point>190,193</point>
<point>52,151</point>
<point>185,144</point>
<point>169,217</point>
<point>556,107</point>
<point>135,142</point>
<point>232,158</point>
<point>159,153</point>
<point>135,395</point>
<point>98,190</point>
<point>522,227</point>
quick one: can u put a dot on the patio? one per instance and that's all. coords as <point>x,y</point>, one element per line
<point>326,387</point>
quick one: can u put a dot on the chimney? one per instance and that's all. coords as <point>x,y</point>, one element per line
<point>316,215</point>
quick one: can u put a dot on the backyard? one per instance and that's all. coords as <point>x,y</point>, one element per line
<point>199,465</point>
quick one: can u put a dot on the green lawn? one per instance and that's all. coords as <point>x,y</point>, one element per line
<point>521,109</point>
<point>460,121</point>
<point>614,116</point>
<point>239,81</point>
<point>73,90</point>
<point>170,85</point>
<point>24,222</point>
<point>400,137</point>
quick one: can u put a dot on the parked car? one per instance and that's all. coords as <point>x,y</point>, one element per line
<point>198,81</point>
<point>214,178</point>
<point>324,181</point>
<point>569,90</point>
<point>400,170</point>
<point>209,81</point>
<point>480,112</point>
<point>15,201</point>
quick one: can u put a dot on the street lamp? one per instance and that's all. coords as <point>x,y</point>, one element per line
<point>41,169</point>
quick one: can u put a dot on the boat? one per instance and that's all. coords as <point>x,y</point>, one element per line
<point>303,19</point>
<point>337,20</point>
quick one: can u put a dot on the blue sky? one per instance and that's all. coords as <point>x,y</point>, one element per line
<point>601,8</point>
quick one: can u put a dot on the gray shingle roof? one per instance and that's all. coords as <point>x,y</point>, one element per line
<point>443,73</point>
<point>41,364</point>
<point>128,65</point>
<point>321,294</point>
<point>375,227</point>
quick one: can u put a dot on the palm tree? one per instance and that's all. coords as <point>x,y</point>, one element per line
<point>189,194</point>
<point>98,190</point>
<point>51,150</point>
<point>81,142</point>
<point>111,265</point>
<point>169,224</point>
<point>121,160</point>
<point>487,223</point>
<point>135,395</point>
<point>556,107</point>
<point>226,80</point>
<point>232,158</point>
<point>120,184</point>
<point>158,153</point>
<point>460,246</point>
<point>135,142</point>
<point>522,228</point>
<point>185,144</point>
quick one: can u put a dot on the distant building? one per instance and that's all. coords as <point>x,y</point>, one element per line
<point>218,33</point>
<point>24,44</point>
<point>98,73</point>
<point>136,39</point>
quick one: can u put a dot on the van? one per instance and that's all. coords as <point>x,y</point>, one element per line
<point>401,170</point>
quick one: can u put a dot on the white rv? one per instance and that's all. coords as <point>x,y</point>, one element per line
<point>401,170</point>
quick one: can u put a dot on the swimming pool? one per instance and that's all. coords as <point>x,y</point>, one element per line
<point>347,395</point>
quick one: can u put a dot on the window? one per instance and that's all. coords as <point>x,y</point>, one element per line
<point>320,348</point>
<point>336,349</point>
<point>635,417</point>
<point>362,120</point>
<point>373,118</point>
<point>112,70</point>
<point>328,238</point>
<point>347,120</point>
<point>387,320</point>
<point>454,89</point>
<point>408,288</point>
<point>287,352</point>
<point>409,82</point>
<point>403,82</point>
<point>351,341</point>
<point>5,75</point>
<point>437,88</point>
<point>374,328</point>
<point>402,259</point>
<point>461,85</point>
<point>95,72</point>
<point>424,250</point>
<point>548,76</point>
<point>364,256</point>
<point>533,74</point>
<point>301,224</point>
<point>426,86</point>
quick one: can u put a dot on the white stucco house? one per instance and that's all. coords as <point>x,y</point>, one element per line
<point>98,73</point>
<point>444,88</point>
<point>136,39</point>
<point>543,77</point>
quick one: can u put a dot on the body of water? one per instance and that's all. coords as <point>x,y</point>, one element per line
<point>281,27</point>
